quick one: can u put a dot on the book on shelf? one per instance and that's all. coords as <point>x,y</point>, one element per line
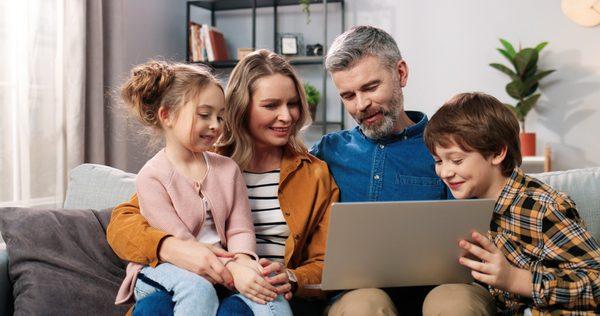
<point>217,45</point>
<point>197,43</point>
<point>207,43</point>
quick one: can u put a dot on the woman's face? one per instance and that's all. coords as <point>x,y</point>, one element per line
<point>274,111</point>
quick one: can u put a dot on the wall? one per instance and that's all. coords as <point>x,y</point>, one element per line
<point>136,30</point>
<point>449,44</point>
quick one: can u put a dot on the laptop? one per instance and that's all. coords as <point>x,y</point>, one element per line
<point>397,244</point>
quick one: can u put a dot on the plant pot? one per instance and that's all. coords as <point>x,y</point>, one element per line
<point>527,144</point>
<point>312,108</point>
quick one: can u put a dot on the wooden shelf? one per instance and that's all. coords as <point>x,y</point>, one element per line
<point>537,164</point>
<point>294,60</point>
<point>213,6</point>
<point>224,5</point>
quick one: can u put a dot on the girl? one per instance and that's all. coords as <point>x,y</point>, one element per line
<point>191,193</point>
<point>291,191</point>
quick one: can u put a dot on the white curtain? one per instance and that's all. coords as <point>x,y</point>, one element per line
<point>42,94</point>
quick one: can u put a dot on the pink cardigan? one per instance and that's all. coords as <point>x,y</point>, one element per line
<point>171,203</point>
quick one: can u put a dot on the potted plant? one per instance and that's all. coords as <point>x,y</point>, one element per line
<point>313,97</point>
<point>305,4</point>
<point>525,77</point>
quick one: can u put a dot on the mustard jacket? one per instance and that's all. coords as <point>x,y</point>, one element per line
<point>306,191</point>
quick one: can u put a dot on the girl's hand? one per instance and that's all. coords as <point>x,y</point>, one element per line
<point>248,262</point>
<point>279,279</point>
<point>494,269</point>
<point>250,284</point>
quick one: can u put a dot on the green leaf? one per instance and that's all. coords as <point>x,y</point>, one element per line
<point>515,89</point>
<point>528,104</point>
<point>525,60</point>
<point>505,70</point>
<point>530,91</point>
<point>541,46</point>
<point>509,48</point>
<point>530,72</point>
<point>516,110</point>
<point>506,55</point>
<point>533,81</point>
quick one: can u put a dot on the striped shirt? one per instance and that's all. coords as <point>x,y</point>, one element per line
<point>539,229</point>
<point>269,224</point>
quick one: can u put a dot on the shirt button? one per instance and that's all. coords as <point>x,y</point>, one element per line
<point>376,177</point>
<point>382,146</point>
<point>405,137</point>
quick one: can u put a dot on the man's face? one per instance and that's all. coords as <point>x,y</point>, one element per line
<point>372,94</point>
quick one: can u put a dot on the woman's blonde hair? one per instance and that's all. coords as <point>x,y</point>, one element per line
<point>236,141</point>
<point>160,83</point>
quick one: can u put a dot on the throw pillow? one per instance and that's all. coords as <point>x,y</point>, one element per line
<point>60,262</point>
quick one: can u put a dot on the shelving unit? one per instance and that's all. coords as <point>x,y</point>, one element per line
<point>537,164</point>
<point>214,6</point>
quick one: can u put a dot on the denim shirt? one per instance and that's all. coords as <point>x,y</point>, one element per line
<point>396,168</point>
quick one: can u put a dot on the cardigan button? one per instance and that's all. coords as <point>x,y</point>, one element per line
<point>286,213</point>
<point>297,237</point>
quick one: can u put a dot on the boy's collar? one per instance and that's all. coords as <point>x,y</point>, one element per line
<point>512,187</point>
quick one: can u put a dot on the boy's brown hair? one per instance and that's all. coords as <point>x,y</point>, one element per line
<point>476,122</point>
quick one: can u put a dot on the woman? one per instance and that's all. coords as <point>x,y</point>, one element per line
<point>290,190</point>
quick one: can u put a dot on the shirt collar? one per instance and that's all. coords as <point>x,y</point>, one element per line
<point>412,131</point>
<point>291,162</point>
<point>511,189</point>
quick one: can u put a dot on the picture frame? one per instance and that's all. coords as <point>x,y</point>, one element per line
<point>290,44</point>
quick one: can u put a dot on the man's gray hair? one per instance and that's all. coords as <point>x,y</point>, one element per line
<point>361,41</point>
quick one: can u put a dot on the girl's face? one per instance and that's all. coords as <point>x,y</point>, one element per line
<point>204,114</point>
<point>274,111</point>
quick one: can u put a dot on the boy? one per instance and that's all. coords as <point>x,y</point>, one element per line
<point>538,257</point>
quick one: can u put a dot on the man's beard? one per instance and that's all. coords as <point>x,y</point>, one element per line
<point>385,127</point>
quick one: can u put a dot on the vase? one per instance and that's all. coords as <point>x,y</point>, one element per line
<point>312,108</point>
<point>527,144</point>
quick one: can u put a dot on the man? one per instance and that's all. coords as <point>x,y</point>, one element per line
<point>384,158</point>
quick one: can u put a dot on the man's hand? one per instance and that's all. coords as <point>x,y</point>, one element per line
<point>198,258</point>
<point>494,269</point>
<point>279,279</point>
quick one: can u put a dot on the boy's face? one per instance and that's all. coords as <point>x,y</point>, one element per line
<point>468,174</point>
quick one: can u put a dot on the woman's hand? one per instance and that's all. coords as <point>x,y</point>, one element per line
<point>251,284</point>
<point>198,258</point>
<point>279,279</point>
<point>494,269</point>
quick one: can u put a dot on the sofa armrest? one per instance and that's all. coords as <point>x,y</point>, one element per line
<point>5,288</point>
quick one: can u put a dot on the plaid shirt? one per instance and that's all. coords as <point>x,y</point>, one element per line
<point>539,229</point>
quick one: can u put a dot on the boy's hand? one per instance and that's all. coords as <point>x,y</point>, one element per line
<point>250,284</point>
<point>494,269</point>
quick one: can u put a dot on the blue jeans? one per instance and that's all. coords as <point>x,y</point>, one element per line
<point>278,307</point>
<point>161,304</point>
<point>152,302</point>
<point>192,294</point>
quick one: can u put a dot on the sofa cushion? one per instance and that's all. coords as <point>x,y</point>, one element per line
<point>98,187</point>
<point>60,262</point>
<point>583,186</point>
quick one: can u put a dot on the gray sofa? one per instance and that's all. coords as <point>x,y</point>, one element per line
<point>98,187</point>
